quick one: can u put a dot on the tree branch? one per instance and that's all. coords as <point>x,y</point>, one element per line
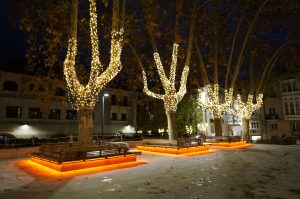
<point>239,61</point>
<point>123,14</point>
<point>271,62</point>
<point>232,51</point>
<point>202,65</point>
<point>138,60</point>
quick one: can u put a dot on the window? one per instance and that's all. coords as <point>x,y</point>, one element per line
<point>54,114</point>
<point>114,116</point>
<point>71,115</point>
<point>297,105</point>
<point>124,116</point>
<point>291,102</point>
<point>295,85</point>
<point>254,125</point>
<point>253,131</point>
<point>125,101</point>
<point>35,113</point>
<point>283,87</point>
<point>286,107</point>
<point>113,100</point>
<point>274,126</point>
<point>291,105</point>
<point>13,112</point>
<point>10,86</point>
<point>272,111</point>
<point>289,85</point>
<point>60,92</point>
<point>296,128</point>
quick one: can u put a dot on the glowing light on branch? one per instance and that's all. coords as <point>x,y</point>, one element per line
<point>188,129</point>
<point>171,97</point>
<point>85,96</point>
<point>210,100</point>
<point>246,109</point>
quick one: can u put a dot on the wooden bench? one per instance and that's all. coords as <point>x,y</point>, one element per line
<point>63,152</point>
<point>223,139</point>
<point>189,142</point>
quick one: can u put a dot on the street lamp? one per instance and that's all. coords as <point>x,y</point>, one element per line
<point>103,97</point>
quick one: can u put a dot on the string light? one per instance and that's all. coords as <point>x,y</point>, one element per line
<point>85,96</point>
<point>245,109</point>
<point>171,97</point>
<point>189,129</point>
<point>210,100</point>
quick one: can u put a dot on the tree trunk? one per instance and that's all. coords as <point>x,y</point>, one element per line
<point>172,127</point>
<point>245,129</point>
<point>218,127</point>
<point>74,19</point>
<point>85,134</point>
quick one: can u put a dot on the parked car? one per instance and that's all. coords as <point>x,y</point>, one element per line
<point>5,138</point>
<point>6,135</point>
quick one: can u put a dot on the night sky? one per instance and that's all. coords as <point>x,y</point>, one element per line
<point>12,45</point>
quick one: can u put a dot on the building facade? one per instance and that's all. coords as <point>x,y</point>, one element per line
<point>278,119</point>
<point>282,109</point>
<point>29,108</point>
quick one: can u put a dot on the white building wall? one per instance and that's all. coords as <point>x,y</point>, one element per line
<point>25,127</point>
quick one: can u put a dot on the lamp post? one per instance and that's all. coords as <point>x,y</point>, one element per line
<point>103,98</point>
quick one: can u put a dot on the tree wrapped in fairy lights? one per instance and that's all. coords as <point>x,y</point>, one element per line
<point>171,97</point>
<point>244,110</point>
<point>85,96</point>
<point>211,99</point>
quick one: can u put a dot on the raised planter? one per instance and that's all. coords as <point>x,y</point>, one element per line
<point>17,152</point>
<point>84,164</point>
<point>174,150</point>
<point>240,144</point>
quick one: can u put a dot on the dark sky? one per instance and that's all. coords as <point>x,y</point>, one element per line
<point>12,46</point>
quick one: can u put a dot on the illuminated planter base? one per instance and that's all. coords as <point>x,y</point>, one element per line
<point>241,144</point>
<point>91,163</point>
<point>176,151</point>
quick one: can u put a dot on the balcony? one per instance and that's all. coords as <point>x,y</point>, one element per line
<point>288,93</point>
<point>292,116</point>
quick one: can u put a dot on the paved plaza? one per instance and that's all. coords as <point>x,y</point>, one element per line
<point>261,171</point>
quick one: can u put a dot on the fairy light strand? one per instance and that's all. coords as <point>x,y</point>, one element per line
<point>245,110</point>
<point>210,100</point>
<point>85,96</point>
<point>171,97</point>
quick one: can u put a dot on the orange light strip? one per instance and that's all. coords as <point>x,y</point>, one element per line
<point>241,144</point>
<point>174,151</point>
<point>39,171</point>
<point>77,165</point>
<point>198,153</point>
